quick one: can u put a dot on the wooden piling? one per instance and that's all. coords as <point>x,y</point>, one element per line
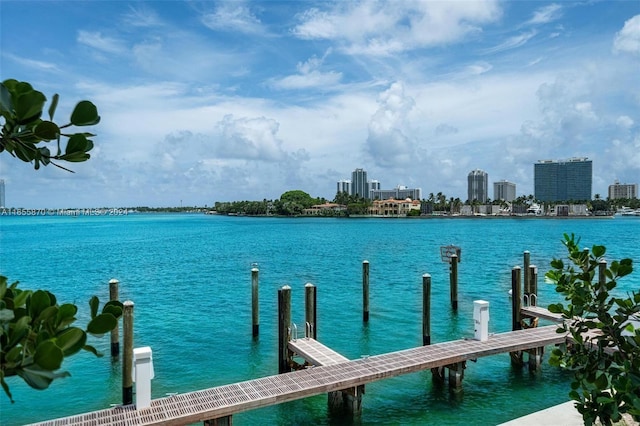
<point>453,282</point>
<point>525,271</point>
<point>426,309</point>
<point>516,299</point>
<point>127,355</point>
<point>284,329</point>
<point>602,274</point>
<point>456,374</point>
<point>255,305</point>
<point>533,285</point>
<point>516,306</point>
<point>365,291</point>
<point>115,333</point>
<point>220,421</point>
<point>310,294</point>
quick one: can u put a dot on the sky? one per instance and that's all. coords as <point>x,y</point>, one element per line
<point>222,101</point>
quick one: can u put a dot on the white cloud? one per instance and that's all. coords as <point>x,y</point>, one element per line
<point>249,138</point>
<point>546,14</point>
<point>142,16</point>
<point>625,121</point>
<point>309,76</point>
<point>32,63</point>
<point>232,16</point>
<point>382,28</point>
<point>628,39</point>
<point>388,142</point>
<point>100,42</point>
<point>511,42</point>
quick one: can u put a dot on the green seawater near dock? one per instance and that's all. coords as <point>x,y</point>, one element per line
<point>190,279</point>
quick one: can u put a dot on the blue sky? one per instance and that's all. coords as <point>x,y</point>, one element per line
<point>219,101</point>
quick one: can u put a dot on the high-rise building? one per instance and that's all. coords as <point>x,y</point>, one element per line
<point>478,186</point>
<point>623,190</point>
<point>359,183</point>
<point>504,190</point>
<point>2,193</point>
<point>343,185</point>
<point>568,180</point>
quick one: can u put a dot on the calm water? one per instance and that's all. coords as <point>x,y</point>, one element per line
<point>189,277</point>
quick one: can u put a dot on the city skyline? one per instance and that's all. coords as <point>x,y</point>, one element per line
<point>223,101</point>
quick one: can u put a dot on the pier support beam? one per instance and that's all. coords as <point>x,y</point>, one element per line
<point>456,374</point>
<point>222,421</point>
<point>535,358</point>
<point>284,329</point>
<point>347,401</point>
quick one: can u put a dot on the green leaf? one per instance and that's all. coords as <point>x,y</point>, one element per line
<point>94,303</point>
<point>53,106</point>
<point>113,307</point>
<point>85,114</point>
<point>598,251</point>
<point>71,340</point>
<point>602,381</point>
<point>39,301</point>
<point>101,324</point>
<point>48,313</point>
<point>77,144</point>
<point>48,356</point>
<point>555,308</point>
<point>47,130</point>
<point>93,350</point>
<point>6,106</point>
<point>66,312</point>
<point>38,378</point>
<point>5,386</point>
<point>15,354</point>
<point>29,106</point>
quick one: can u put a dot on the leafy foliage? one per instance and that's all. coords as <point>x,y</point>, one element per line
<point>605,357</point>
<point>25,134</point>
<point>36,333</point>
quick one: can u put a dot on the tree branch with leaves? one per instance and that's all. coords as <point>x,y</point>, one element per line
<point>25,134</point>
<point>605,354</point>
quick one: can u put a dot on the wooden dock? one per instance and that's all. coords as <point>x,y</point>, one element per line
<point>336,374</point>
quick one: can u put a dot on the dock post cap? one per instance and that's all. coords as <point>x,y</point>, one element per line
<point>309,285</point>
<point>285,287</point>
<point>113,281</point>
<point>128,303</point>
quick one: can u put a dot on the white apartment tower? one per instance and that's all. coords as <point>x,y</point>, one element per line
<point>343,185</point>
<point>504,190</point>
<point>623,190</point>
<point>478,181</point>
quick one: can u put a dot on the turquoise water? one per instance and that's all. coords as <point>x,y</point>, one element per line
<point>189,277</point>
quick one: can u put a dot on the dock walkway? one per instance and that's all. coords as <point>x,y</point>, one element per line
<point>226,400</point>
